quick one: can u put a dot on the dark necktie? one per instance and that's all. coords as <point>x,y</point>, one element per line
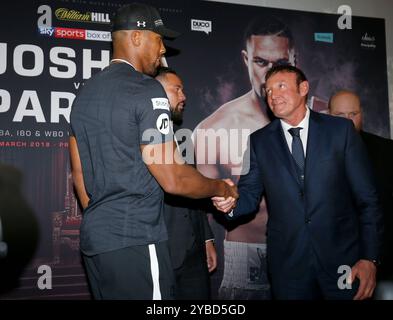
<point>297,148</point>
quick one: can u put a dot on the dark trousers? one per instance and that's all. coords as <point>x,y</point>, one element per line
<point>192,278</point>
<point>129,273</point>
<point>316,284</point>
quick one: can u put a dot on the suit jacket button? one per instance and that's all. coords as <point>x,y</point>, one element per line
<point>308,221</point>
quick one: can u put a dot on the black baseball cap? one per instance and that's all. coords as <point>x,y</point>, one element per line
<point>140,16</point>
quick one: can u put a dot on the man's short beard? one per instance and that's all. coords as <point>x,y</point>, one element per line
<point>177,117</point>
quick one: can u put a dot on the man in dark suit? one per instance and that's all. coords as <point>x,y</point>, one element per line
<point>324,215</point>
<point>347,104</point>
<point>190,238</point>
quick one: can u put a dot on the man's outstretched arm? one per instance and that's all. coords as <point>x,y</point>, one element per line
<point>166,165</point>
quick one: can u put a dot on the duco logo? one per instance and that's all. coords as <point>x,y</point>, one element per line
<point>201,25</point>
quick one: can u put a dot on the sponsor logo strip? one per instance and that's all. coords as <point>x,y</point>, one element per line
<point>98,35</point>
<point>46,31</point>
<point>70,33</point>
<point>77,16</point>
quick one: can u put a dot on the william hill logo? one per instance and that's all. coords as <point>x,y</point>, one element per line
<point>75,15</point>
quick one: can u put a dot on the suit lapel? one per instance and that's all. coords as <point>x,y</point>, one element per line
<point>313,142</point>
<point>280,147</point>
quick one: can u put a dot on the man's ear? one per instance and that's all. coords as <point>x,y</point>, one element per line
<point>304,88</point>
<point>245,57</point>
<point>136,38</point>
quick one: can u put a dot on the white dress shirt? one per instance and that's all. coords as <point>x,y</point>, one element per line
<point>304,124</point>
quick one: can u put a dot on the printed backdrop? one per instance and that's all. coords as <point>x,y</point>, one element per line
<point>48,49</point>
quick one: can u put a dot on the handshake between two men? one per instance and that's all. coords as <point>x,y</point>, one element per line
<point>226,204</point>
<point>178,178</point>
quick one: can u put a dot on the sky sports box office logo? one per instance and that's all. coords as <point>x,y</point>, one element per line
<point>45,27</point>
<point>71,33</point>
